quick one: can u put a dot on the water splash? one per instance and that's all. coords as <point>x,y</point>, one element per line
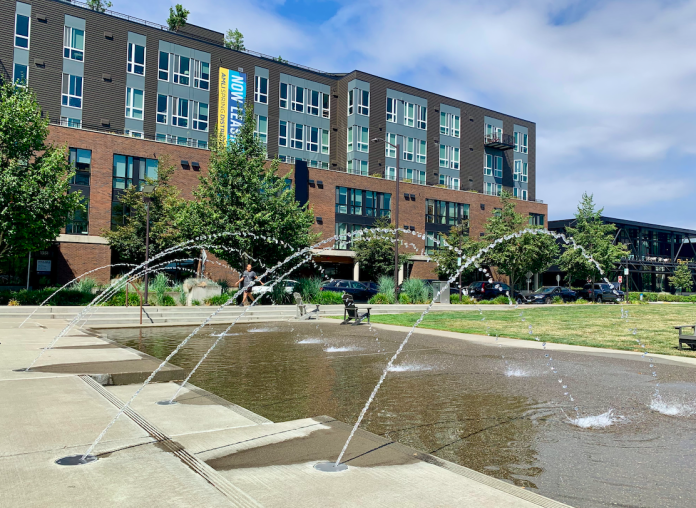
<point>597,421</point>
<point>410,367</point>
<point>517,372</point>
<point>341,349</point>
<point>310,341</point>
<point>671,408</point>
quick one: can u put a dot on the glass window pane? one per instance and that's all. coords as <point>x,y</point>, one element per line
<point>22,25</point>
<point>138,99</point>
<point>119,166</point>
<point>78,39</point>
<point>151,169</point>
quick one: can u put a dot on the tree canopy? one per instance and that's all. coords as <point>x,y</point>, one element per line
<point>527,253</point>
<point>178,16</point>
<point>375,252</point>
<point>234,40</point>
<point>166,208</point>
<point>448,260</point>
<point>242,192</point>
<point>596,237</point>
<point>682,278</point>
<point>35,198</point>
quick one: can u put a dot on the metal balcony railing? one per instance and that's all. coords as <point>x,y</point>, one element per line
<point>499,140</point>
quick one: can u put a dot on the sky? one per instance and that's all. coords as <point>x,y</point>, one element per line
<point>610,84</point>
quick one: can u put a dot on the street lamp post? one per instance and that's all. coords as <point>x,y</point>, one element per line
<point>147,199</point>
<point>397,147</point>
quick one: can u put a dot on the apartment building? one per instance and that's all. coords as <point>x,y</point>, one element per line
<point>121,92</point>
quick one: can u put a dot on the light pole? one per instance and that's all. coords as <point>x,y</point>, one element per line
<point>397,147</point>
<point>147,199</point>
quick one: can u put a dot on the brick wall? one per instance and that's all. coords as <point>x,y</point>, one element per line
<point>74,259</point>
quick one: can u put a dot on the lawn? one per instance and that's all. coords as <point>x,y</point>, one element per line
<point>581,325</point>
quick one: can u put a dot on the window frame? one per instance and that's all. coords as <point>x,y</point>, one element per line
<point>160,70</point>
<point>313,138</point>
<point>421,151</point>
<point>14,74</point>
<point>497,166</point>
<point>422,117</point>
<point>295,142</point>
<point>525,143</point>
<point>285,99</point>
<point>325,147</point>
<point>363,139</point>
<point>516,137</point>
<point>488,164</point>
<point>198,79</point>
<point>392,116</point>
<point>131,64</point>
<point>408,155</point>
<point>165,112</point>
<point>283,139</point>
<point>350,140</point>
<point>298,106</point>
<point>68,39</point>
<point>444,128</point>
<point>130,107</point>
<point>517,171</point>
<point>16,35</point>
<point>454,161</point>
<point>499,189</point>
<point>258,134</point>
<point>313,109</point>
<point>361,164</point>
<point>68,96</point>
<point>176,107</point>
<point>525,172</point>
<point>363,109</point>
<point>390,151</point>
<point>196,121</point>
<point>409,121</point>
<point>177,76</point>
<point>258,94</point>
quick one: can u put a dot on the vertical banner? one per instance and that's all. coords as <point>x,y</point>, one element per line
<point>231,96</point>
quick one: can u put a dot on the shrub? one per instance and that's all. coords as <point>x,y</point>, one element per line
<point>182,298</point>
<point>308,288</point>
<point>385,285</point>
<point>85,285</point>
<point>380,299</point>
<point>557,299</point>
<point>159,286</point>
<point>581,301</point>
<point>417,290</point>
<point>328,298</point>
<point>119,299</point>
<point>218,300</point>
<point>66,297</point>
<point>13,303</point>
<point>404,299</point>
<point>466,299</point>
<point>660,297</point>
<point>195,303</point>
<point>167,301</point>
<point>498,300</point>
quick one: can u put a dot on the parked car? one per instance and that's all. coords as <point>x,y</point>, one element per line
<point>259,289</point>
<point>359,291</point>
<point>602,292</point>
<point>372,286</point>
<point>482,290</point>
<point>546,294</point>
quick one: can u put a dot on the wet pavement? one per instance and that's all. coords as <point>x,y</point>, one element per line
<point>498,410</point>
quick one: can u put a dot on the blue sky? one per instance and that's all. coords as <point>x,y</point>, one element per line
<point>610,83</point>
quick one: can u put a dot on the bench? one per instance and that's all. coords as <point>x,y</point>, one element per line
<point>302,313</point>
<point>688,339</point>
<point>351,312</point>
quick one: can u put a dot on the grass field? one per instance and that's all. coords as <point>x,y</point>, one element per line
<point>581,325</point>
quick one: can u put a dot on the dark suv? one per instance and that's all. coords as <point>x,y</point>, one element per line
<point>359,291</point>
<point>489,290</point>
<point>602,292</point>
<point>546,294</point>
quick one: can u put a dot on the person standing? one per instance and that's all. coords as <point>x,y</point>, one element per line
<point>248,277</point>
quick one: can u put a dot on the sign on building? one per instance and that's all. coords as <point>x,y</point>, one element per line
<point>43,266</point>
<point>231,96</point>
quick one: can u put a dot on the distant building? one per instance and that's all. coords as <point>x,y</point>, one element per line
<point>653,252</point>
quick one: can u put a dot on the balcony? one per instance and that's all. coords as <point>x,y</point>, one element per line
<point>499,141</point>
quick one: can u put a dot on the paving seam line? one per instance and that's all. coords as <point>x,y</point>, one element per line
<point>238,497</point>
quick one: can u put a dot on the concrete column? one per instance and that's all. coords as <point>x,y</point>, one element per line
<point>401,274</point>
<point>536,281</point>
<point>356,270</point>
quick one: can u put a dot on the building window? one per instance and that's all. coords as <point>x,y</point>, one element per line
<point>421,151</point>
<point>515,192</point>
<point>70,122</point>
<point>433,242</point>
<point>536,219</point>
<point>454,159</point>
<point>163,73</point>
<point>297,136</point>
<point>261,129</point>
<point>357,167</point>
<point>162,107</point>
<point>449,157</point>
<point>389,150</point>
<point>361,202</point>
<point>325,105</point>
<point>390,173</point>
<point>408,149</point>
<point>358,139</point>
<point>134,103</point>
<point>78,221</point>
<point>498,168</point>
<point>21,31</point>
<point>524,194</point>
<point>422,114</point>
<point>283,133</point>
<point>517,173</point>
<point>409,175</point>
<point>297,103</point>
<point>21,75</point>
<point>312,139</point>
<point>488,188</point>
<point>516,137</point>
<point>182,70</point>
<point>488,165</point>
<point>525,174</point>
<point>202,144</point>
<point>346,234</point>
<point>72,91</point>
<point>81,162</point>
<point>132,171</point>
<point>444,156</point>
<point>449,182</point>
<point>362,98</point>
<point>449,124</point>
<point>314,102</point>
<point>325,142</point>
<point>136,59</point>
<point>498,190</point>
<point>180,112</point>
<point>261,89</point>
<point>284,95</point>
<point>73,43</point>
<point>524,147</point>
<point>409,114</point>
<point>446,213</point>
<point>201,74</point>
<point>391,109</point>
<point>200,116</point>
<point>134,134</point>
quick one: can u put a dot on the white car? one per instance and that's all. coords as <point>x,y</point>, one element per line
<point>260,289</point>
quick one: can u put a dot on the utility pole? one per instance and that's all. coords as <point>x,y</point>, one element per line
<point>147,199</point>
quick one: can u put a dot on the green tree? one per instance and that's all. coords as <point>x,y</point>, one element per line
<point>447,259</point>
<point>281,60</point>
<point>375,252</point>
<point>166,207</point>
<point>596,237</point>
<point>243,193</point>
<point>234,40</point>
<point>682,278</point>
<point>35,198</point>
<point>526,253</point>
<point>99,5</point>
<point>177,18</point>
